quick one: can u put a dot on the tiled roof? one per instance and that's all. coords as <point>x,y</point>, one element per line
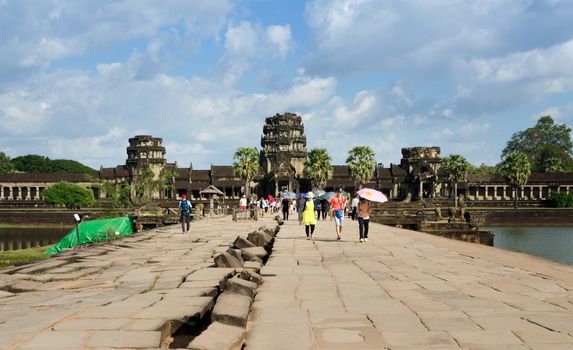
<point>46,177</point>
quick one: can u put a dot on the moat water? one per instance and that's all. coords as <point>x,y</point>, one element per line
<point>554,243</point>
<point>13,238</point>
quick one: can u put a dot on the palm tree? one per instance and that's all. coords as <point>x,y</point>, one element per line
<point>515,168</point>
<point>361,164</point>
<point>457,168</point>
<point>317,167</point>
<point>246,165</point>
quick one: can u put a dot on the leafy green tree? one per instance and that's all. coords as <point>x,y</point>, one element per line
<point>166,180</point>
<point>457,168</point>
<point>68,166</point>
<point>6,165</point>
<point>515,168</point>
<point>68,194</point>
<point>33,163</point>
<point>246,165</point>
<point>547,145</point>
<point>482,169</point>
<point>560,200</point>
<point>142,187</point>
<point>317,167</point>
<point>361,163</point>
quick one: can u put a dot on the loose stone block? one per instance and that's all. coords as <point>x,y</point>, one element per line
<point>247,256</point>
<point>232,309</point>
<point>260,239</point>
<point>219,336</point>
<point>259,252</point>
<point>240,286</point>
<point>227,260</point>
<point>268,230</point>
<point>241,242</point>
<point>255,266</point>
<point>237,254</point>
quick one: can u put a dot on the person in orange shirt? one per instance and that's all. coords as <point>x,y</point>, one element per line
<point>337,205</point>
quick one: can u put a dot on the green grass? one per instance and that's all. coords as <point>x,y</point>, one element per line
<point>23,256</point>
<point>6,225</point>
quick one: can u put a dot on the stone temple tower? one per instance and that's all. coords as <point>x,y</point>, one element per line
<point>284,152</point>
<point>145,151</point>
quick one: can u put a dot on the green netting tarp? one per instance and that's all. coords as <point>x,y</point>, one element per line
<point>95,231</point>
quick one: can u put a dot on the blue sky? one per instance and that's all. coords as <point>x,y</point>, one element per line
<point>78,78</point>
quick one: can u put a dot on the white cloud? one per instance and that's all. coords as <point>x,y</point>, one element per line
<point>281,38</point>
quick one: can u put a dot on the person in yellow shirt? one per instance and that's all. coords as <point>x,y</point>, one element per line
<point>309,216</point>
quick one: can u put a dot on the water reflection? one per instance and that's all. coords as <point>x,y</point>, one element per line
<point>554,243</point>
<point>13,238</point>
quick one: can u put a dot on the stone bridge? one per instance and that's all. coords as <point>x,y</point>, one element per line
<point>400,290</point>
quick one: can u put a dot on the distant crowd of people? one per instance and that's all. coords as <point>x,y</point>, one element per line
<point>309,209</point>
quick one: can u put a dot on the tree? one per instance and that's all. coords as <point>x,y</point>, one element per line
<point>246,165</point>
<point>547,145</point>
<point>515,168</point>
<point>31,163</point>
<point>317,167</point>
<point>6,165</point>
<point>34,163</point>
<point>361,164</point>
<point>68,194</point>
<point>142,187</point>
<point>457,168</point>
<point>482,169</point>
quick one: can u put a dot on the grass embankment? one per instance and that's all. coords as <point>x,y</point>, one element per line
<point>23,256</point>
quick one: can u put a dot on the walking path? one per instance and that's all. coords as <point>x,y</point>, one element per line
<point>123,294</point>
<point>400,290</point>
<point>407,290</point>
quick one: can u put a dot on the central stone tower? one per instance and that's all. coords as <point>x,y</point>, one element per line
<point>145,151</point>
<point>284,152</point>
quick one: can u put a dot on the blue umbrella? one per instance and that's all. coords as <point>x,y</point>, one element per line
<point>289,195</point>
<point>319,193</point>
<point>328,195</point>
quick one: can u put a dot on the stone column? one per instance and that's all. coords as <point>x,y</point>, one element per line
<point>421,190</point>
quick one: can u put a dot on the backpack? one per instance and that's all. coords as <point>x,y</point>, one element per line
<point>184,206</point>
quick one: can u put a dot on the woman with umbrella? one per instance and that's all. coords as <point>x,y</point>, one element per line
<point>363,213</point>
<point>366,195</point>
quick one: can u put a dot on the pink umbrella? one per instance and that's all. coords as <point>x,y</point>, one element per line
<point>271,198</point>
<point>372,195</point>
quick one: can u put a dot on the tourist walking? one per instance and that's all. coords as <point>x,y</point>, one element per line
<point>363,214</point>
<point>184,208</point>
<point>317,207</point>
<point>300,202</point>
<point>324,208</point>
<point>337,206</point>
<point>308,216</point>
<point>353,206</point>
<point>285,207</point>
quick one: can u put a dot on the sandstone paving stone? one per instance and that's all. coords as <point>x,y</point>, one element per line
<point>86,324</point>
<point>259,252</point>
<point>227,260</point>
<point>125,339</point>
<point>57,340</point>
<point>421,340</point>
<point>543,336</point>
<point>481,338</point>
<point>397,322</point>
<point>240,286</point>
<point>211,339</point>
<point>4,294</point>
<point>232,309</point>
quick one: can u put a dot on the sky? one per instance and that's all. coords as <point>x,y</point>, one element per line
<point>79,78</point>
